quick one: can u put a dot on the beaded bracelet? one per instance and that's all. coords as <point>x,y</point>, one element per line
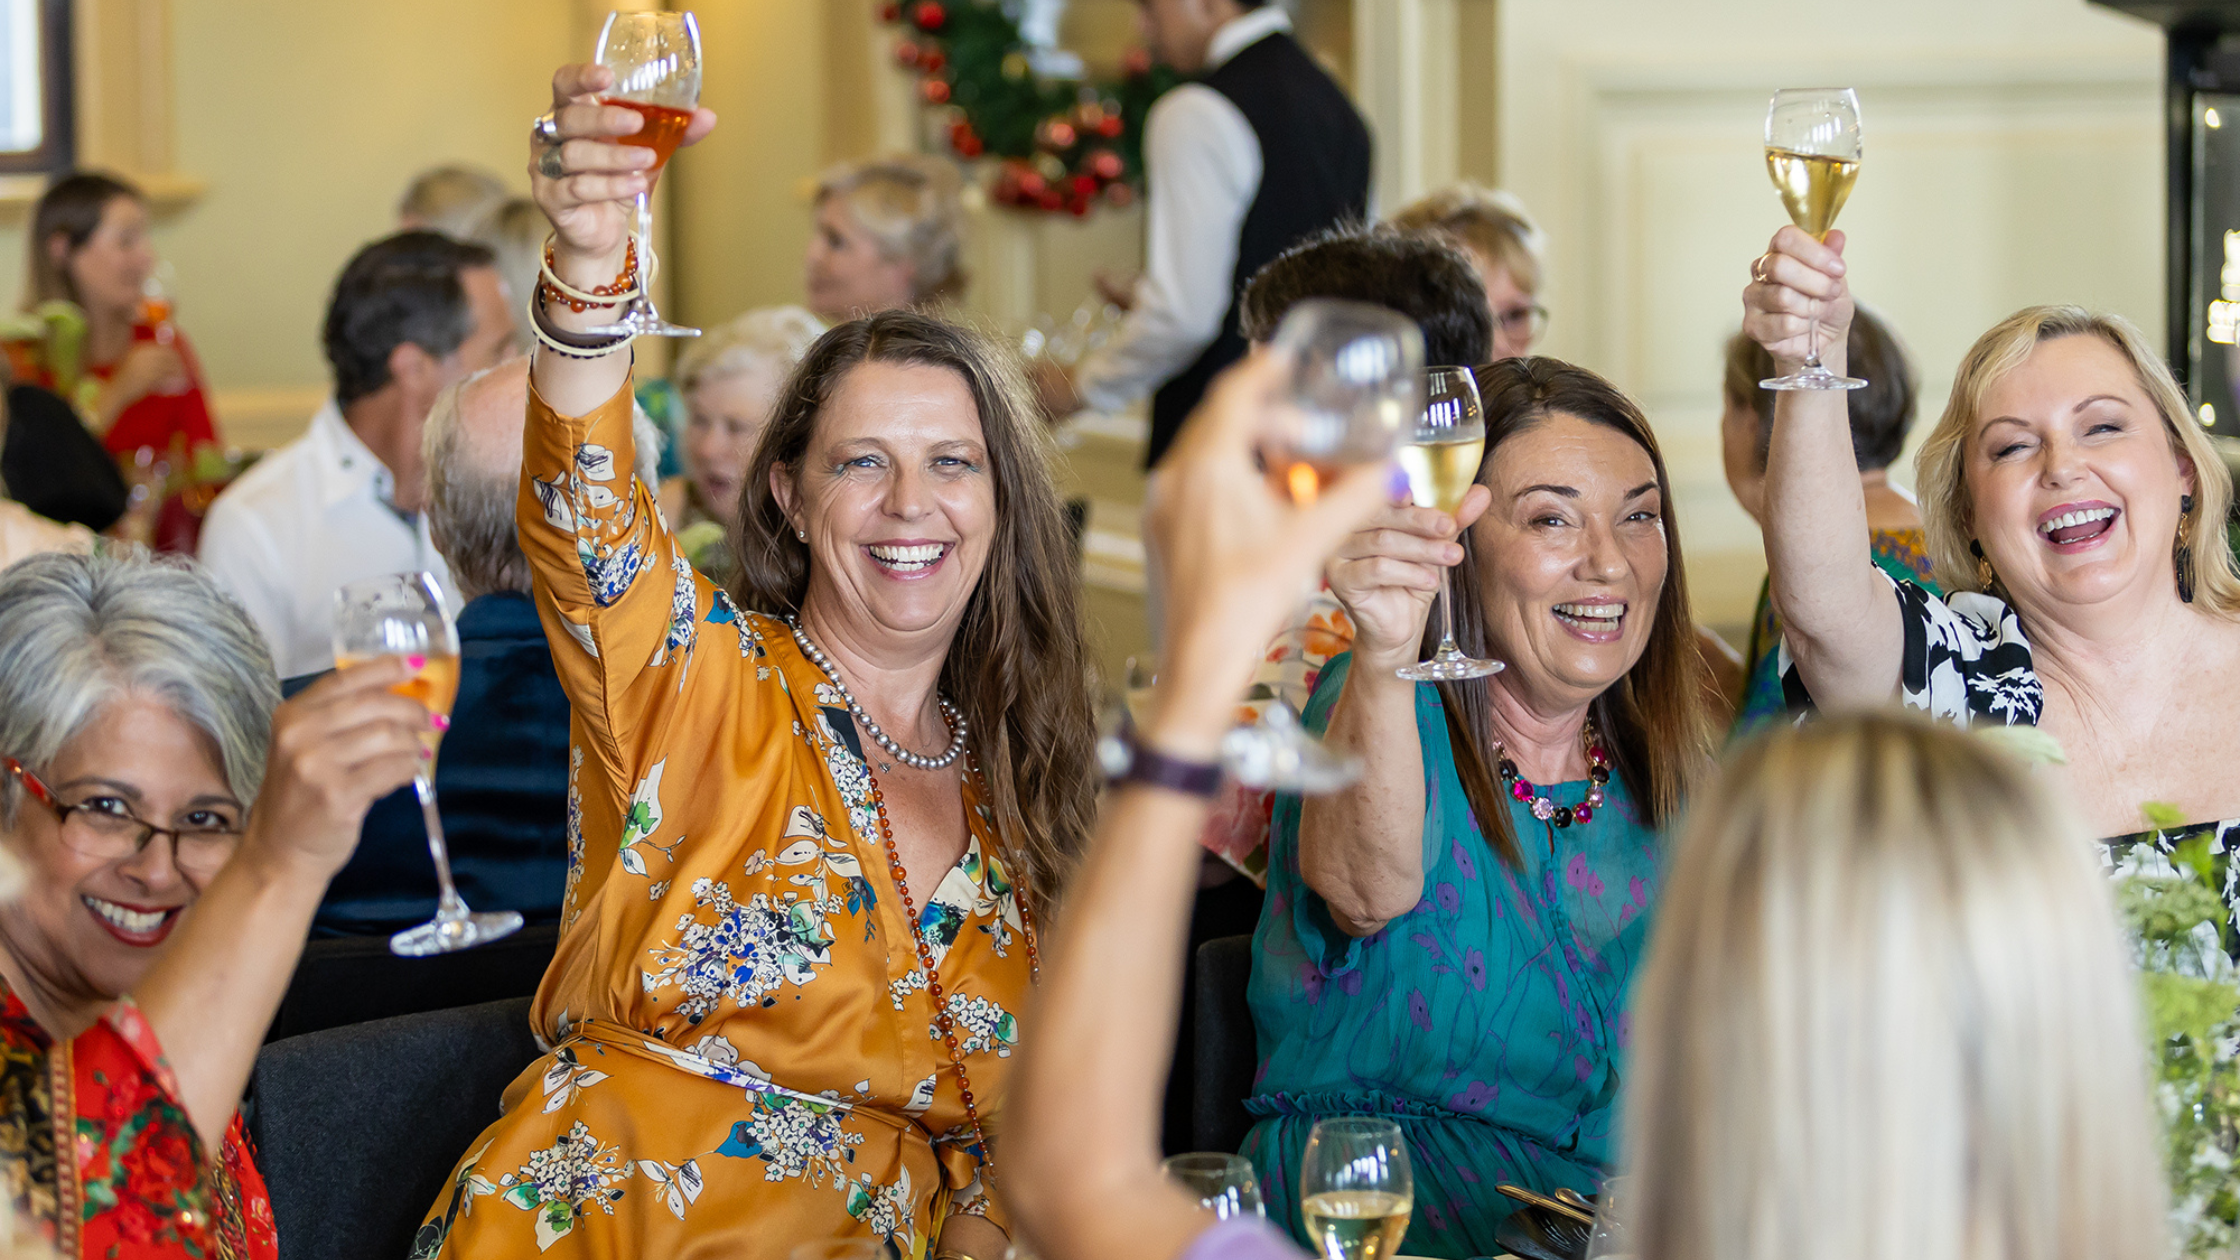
<point>624,288</point>
<point>569,344</point>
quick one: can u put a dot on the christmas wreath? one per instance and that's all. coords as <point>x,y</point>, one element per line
<point>1059,144</point>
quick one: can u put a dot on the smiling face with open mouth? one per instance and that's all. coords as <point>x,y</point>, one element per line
<point>1571,557</point>
<point>88,927</point>
<point>898,501</point>
<point>2074,479</point>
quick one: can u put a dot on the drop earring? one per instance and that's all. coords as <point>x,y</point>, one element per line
<point>1985,576</point>
<point>2182,553</point>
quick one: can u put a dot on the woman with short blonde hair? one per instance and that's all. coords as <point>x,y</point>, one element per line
<point>889,233</point>
<point>728,381</point>
<point>1494,228</point>
<point>1887,1013</point>
<point>2076,520</point>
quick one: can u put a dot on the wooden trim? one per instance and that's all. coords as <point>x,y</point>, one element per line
<point>57,149</point>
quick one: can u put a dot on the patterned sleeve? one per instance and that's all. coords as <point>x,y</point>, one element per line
<point>1965,660</point>
<point>621,604</point>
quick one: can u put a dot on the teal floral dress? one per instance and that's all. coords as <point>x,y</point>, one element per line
<point>1490,1021</point>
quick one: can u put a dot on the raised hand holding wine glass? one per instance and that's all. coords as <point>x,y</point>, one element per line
<point>1812,155</point>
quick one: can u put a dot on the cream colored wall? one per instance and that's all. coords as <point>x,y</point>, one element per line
<point>305,120</point>
<point>2013,155</point>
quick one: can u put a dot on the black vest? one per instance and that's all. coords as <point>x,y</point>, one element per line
<point>1314,174</point>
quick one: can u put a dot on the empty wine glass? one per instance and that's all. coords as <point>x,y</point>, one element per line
<point>1356,377</point>
<point>1812,154</point>
<point>1356,1188</point>
<point>1610,1240</point>
<point>656,62</point>
<point>402,614</point>
<point>1441,459</point>
<point>1223,1184</point>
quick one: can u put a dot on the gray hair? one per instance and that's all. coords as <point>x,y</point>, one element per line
<point>913,206</point>
<point>471,496</point>
<point>449,199</point>
<point>770,337</point>
<point>80,632</point>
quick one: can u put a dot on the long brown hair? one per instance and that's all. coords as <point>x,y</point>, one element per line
<point>1652,720</point>
<point>72,209</point>
<point>1018,667</point>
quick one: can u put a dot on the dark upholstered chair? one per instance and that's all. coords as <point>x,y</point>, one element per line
<point>1228,1049</point>
<point>351,979</point>
<point>357,1128</point>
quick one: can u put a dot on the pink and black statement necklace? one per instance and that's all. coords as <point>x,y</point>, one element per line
<point>1544,807</point>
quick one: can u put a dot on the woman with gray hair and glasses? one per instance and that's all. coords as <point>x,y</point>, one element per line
<point>144,774</point>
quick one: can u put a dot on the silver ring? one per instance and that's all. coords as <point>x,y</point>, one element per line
<point>549,164</point>
<point>545,128</point>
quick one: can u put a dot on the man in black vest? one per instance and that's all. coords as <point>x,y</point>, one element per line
<point>1262,150</point>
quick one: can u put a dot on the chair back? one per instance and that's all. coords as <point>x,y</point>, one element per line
<point>352,979</point>
<point>1228,1050</point>
<point>357,1129</point>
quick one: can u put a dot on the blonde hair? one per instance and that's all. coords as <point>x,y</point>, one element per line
<point>913,206</point>
<point>1947,513</point>
<point>773,338</point>
<point>451,199</point>
<point>1887,1013</point>
<point>1489,222</point>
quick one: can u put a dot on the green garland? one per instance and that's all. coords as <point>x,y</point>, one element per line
<point>1061,145</point>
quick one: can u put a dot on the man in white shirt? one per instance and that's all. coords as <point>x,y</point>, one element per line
<point>411,314</point>
<point>1260,152</point>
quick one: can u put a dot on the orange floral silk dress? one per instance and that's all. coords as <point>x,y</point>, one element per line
<point>743,1055</point>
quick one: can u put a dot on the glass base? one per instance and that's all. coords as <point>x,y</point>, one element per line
<point>1278,754</point>
<point>1812,378</point>
<point>639,319</point>
<point>442,935</point>
<point>1449,666</point>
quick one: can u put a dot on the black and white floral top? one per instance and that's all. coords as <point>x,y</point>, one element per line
<point>1967,662</point>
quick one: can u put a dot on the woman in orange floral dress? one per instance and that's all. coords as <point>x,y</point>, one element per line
<point>812,826</point>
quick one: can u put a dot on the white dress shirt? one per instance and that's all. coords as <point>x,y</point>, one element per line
<point>1202,163</point>
<point>307,519</point>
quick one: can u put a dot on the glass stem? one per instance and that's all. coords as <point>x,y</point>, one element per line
<point>1812,338</point>
<point>646,264</point>
<point>1446,614</point>
<point>448,903</point>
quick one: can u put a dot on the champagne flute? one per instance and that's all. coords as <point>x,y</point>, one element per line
<point>1223,1184</point>
<point>1355,375</point>
<point>656,62</point>
<point>1441,461</point>
<point>402,614</point>
<point>1812,153</point>
<point>1357,1189</point>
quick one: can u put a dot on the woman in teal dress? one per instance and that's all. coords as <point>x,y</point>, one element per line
<point>1469,980</point>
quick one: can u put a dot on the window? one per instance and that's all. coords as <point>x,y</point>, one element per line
<point>35,110</point>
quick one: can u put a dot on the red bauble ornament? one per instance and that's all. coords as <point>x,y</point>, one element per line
<point>907,53</point>
<point>1052,199</point>
<point>936,91</point>
<point>932,60</point>
<point>1106,165</point>
<point>1059,135</point>
<point>929,15</point>
<point>1032,185</point>
<point>1110,126</point>
<point>965,141</point>
<point>890,12</point>
<point>1084,186</point>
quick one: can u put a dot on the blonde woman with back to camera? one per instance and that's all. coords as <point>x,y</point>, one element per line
<point>1887,1015</point>
<point>889,233</point>
<point>2075,516</point>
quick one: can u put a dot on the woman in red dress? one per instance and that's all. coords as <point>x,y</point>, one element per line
<point>91,331</point>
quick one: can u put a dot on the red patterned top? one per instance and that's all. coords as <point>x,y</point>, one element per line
<point>99,1157</point>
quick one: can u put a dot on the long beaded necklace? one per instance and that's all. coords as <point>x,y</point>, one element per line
<point>942,1019</point>
<point>1544,807</point>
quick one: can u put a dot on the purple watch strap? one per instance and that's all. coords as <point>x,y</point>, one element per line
<point>1153,768</point>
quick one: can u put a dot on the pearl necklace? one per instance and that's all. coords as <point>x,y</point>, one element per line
<point>1544,808</point>
<point>949,712</point>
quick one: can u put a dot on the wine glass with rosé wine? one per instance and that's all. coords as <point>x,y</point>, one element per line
<point>656,62</point>
<point>403,614</point>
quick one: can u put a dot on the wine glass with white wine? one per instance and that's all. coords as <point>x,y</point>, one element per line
<point>1812,153</point>
<point>1356,1188</point>
<point>1441,459</point>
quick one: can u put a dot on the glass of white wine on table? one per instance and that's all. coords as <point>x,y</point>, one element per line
<point>403,614</point>
<point>1356,378</point>
<point>1441,459</point>
<point>1812,154</point>
<point>656,62</point>
<point>1356,1188</point>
